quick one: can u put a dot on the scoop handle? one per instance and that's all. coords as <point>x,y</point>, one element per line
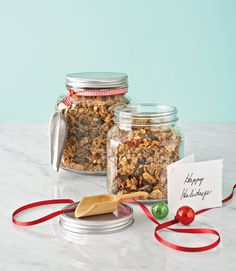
<point>133,195</point>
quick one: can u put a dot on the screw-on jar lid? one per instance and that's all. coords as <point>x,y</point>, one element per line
<point>96,80</point>
<point>98,224</point>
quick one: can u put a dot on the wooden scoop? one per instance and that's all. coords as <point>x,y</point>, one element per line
<point>103,204</point>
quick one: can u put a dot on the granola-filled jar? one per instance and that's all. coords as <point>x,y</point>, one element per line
<point>89,110</point>
<point>144,140</point>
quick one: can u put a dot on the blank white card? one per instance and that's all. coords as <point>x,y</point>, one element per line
<point>195,184</point>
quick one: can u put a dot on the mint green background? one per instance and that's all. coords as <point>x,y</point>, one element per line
<point>177,52</point>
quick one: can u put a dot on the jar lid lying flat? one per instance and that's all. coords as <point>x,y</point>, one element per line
<point>99,224</point>
<point>96,80</point>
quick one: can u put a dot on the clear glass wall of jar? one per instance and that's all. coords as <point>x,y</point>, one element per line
<point>144,140</point>
<point>89,110</point>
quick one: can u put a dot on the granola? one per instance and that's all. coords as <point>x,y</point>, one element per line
<point>138,159</point>
<point>89,119</point>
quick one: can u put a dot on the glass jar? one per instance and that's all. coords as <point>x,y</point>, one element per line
<point>144,140</point>
<point>89,110</point>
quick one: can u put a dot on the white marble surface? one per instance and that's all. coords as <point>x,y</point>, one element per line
<point>26,176</point>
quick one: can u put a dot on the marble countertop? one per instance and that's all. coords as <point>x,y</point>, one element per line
<point>26,177</point>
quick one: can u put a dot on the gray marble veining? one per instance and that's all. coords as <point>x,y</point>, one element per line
<point>26,177</point>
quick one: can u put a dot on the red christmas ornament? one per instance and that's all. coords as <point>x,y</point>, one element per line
<point>185,215</point>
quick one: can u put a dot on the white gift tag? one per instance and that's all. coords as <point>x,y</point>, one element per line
<point>196,184</point>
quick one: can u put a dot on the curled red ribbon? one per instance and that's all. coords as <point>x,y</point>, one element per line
<point>44,218</point>
<point>167,224</point>
<point>160,226</point>
<point>66,99</point>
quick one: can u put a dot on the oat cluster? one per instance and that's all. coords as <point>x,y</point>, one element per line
<point>89,119</point>
<point>138,159</point>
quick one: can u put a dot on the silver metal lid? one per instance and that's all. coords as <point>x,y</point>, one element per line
<point>96,80</point>
<point>99,224</point>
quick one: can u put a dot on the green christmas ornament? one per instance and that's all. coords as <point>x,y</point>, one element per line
<point>160,210</point>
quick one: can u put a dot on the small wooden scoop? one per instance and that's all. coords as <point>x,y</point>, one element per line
<point>103,204</point>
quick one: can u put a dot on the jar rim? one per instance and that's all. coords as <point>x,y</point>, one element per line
<point>134,110</point>
<point>155,112</point>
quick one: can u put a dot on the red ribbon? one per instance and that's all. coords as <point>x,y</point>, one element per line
<point>167,224</point>
<point>66,99</point>
<point>160,226</point>
<point>87,92</point>
<point>44,218</point>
